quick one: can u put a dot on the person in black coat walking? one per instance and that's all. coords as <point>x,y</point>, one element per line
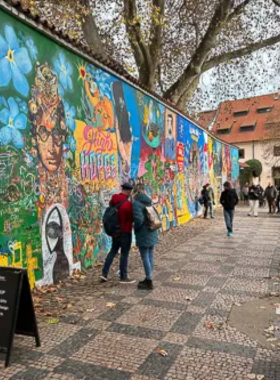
<point>206,198</point>
<point>229,199</point>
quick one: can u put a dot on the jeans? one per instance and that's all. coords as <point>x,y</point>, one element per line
<point>211,208</point>
<point>147,256</point>
<point>123,243</point>
<point>229,214</point>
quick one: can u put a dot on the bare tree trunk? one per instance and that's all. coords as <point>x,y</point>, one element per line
<point>91,32</point>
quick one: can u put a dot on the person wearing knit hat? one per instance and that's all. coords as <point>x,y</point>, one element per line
<point>229,199</point>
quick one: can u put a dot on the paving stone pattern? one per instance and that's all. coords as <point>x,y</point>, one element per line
<point>118,332</point>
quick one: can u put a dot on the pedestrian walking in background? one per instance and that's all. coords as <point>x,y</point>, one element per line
<point>261,195</point>
<point>271,195</point>
<point>245,192</point>
<point>146,239</point>
<point>205,198</point>
<point>278,199</point>
<point>122,239</point>
<point>211,201</point>
<point>229,199</point>
<point>253,200</point>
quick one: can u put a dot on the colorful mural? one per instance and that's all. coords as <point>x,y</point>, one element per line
<point>70,134</point>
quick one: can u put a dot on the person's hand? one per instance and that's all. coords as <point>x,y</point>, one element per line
<point>214,203</point>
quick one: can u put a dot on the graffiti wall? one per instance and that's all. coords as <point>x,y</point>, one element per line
<point>70,134</point>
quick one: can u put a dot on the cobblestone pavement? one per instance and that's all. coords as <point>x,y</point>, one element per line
<point>114,332</point>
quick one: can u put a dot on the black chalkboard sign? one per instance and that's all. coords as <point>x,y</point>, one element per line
<point>17,314</point>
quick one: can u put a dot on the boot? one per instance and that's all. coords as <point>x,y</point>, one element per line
<point>145,285</point>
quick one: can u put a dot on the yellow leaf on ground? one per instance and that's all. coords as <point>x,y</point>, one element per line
<point>52,321</point>
<point>110,304</point>
<point>161,352</point>
<point>251,376</point>
<point>260,377</point>
<point>176,278</point>
<point>209,325</point>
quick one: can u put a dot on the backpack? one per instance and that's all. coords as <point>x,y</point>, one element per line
<point>153,219</point>
<point>201,200</point>
<point>111,221</point>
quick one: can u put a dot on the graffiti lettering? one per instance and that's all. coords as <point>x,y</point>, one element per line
<point>98,140</point>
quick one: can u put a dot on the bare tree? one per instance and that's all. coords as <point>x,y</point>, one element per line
<point>167,44</point>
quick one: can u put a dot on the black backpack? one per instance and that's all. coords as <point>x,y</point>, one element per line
<point>111,221</point>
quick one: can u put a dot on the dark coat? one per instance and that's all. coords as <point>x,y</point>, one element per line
<point>270,193</point>
<point>205,196</point>
<point>144,236</point>
<point>229,199</point>
<point>254,193</point>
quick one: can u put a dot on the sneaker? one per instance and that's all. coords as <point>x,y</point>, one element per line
<point>255,216</point>
<point>212,217</point>
<point>104,278</point>
<point>230,234</point>
<point>249,215</point>
<point>127,281</point>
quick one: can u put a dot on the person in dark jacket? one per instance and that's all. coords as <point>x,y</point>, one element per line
<point>145,238</point>
<point>206,198</point>
<point>124,241</point>
<point>229,199</point>
<point>254,197</point>
<point>211,201</point>
<point>278,199</point>
<point>271,195</point>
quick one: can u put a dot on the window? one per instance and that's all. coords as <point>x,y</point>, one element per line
<point>276,150</point>
<point>241,153</point>
<point>263,109</point>
<point>247,128</point>
<point>223,131</point>
<point>241,113</point>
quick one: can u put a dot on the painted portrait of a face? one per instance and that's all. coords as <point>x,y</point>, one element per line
<point>47,118</point>
<point>50,136</point>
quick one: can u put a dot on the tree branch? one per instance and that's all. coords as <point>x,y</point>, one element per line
<point>156,29</point>
<point>141,51</point>
<point>239,9</point>
<point>276,2</point>
<point>91,32</point>
<point>215,61</point>
<point>208,42</point>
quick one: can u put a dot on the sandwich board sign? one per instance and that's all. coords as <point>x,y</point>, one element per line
<point>17,314</point>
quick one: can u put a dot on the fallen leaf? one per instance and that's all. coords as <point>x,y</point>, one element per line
<point>52,321</point>
<point>271,339</point>
<point>161,352</point>
<point>176,278</point>
<point>260,377</point>
<point>251,376</point>
<point>209,325</point>
<point>237,304</point>
<point>189,299</point>
<point>110,304</point>
<point>262,307</point>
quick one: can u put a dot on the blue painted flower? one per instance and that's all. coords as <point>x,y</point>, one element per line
<point>33,51</point>
<point>22,105</point>
<point>70,114</point>
<point>14,62</point>
<point>64,71</point>
<point>72,144</point>
<point>14,121</point>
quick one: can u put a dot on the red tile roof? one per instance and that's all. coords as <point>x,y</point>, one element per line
<point>206,118</point>
<point>226,116</point>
